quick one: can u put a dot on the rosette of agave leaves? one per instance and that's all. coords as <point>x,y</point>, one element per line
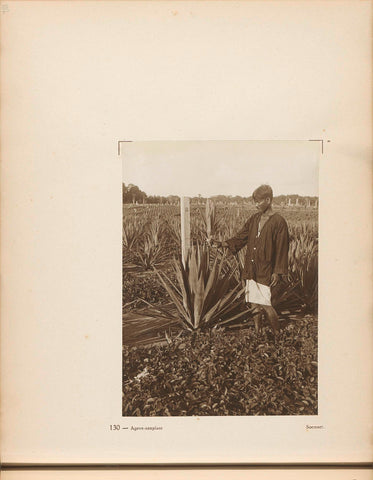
<point>204,295</point>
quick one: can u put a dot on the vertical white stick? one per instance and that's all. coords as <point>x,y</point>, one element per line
<point>208,218</point>
<point>185,227</point>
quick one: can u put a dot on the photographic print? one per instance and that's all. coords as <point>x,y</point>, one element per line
<point>220,278</point>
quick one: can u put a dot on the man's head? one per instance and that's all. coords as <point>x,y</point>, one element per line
<point>263,197</point>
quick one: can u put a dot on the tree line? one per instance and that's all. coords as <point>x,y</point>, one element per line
<point>133,194</point>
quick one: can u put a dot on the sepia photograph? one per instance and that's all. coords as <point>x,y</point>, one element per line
<point>220,278</point>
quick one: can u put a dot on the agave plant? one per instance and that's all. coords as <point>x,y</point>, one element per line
<point>210,223</point>
<point>301,291</point>
<point>303,263</point>
<point>173,228</point>
<point>238,260</point>
<point>303,230</point>
<point>131,235</point>
<point>144,242</point>
<point>211,219</point>
<point>204,296</point>
<point>154,229</point>
<point>150,254</point>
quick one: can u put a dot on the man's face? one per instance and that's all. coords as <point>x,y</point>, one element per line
<point>262,204</point>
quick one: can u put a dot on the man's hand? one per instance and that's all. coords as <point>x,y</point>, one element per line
<point>216,243</point>
<point>275,278</point>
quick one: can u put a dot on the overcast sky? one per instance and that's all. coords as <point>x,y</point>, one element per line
<point>221,167</point>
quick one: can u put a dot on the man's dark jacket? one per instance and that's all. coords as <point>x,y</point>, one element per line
<point>265,254</point>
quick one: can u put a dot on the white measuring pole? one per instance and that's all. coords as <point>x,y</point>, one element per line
<point>185,227</point>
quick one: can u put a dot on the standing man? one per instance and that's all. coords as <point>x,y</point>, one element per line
<point>267,239</point>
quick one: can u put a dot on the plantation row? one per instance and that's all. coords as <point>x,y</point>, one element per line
<point>151,239</point>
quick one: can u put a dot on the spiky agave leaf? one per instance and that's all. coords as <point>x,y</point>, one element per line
<point>173,229</point>
<point>132,230</point>
<point>303,262</point>
<point>177,300</point>
<point>150,254</point>
<point>209,223</point>
<point>210,218</point>
<point>219,294</point>
<point>301,292</point>
<point>205,296</point>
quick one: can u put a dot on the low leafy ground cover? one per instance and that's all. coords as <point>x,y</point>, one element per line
<point>138,285</point>
<point>225,373</point>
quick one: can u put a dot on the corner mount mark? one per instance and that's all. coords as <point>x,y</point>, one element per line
<point>322,143</point>
<point>122,141</point>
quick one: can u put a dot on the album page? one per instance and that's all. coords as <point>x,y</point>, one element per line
<point>186,233</point>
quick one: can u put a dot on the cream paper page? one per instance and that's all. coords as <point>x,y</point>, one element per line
<point>77,77</point>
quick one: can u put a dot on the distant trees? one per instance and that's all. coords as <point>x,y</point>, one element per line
<point>133,194</point>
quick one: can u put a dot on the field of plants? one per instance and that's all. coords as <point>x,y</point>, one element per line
<point>189,346</point>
